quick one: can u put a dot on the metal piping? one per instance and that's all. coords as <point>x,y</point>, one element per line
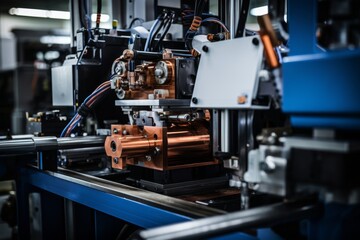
<point>22,146</point>
<point>237,221</point>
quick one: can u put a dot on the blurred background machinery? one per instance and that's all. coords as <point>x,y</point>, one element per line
<point>185,119</point>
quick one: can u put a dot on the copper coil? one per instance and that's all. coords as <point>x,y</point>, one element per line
<point>196,22</point>
<point>194,53</point>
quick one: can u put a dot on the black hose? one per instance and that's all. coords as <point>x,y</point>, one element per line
<point>242,19</point>
<point>164,21</point>
<point>165,32</point>
<point>147,56</point>
<point>134,20</point>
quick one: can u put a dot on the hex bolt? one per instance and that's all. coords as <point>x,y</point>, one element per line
<point>116,160</point>
<point>255,41</point>
<point>205,48</point>
<point>194,100</point>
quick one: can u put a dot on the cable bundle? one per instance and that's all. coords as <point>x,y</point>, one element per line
<point>165,20</point>
<point>86,107</point>
<point>197,21</point>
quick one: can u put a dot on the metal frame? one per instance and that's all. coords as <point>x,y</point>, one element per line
<point>58,188</point>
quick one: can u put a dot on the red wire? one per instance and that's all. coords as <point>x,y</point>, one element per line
<point>94,98</point>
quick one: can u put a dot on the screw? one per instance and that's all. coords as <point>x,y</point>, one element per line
<point>255,41</point>
<point>205,48</point>
<point>242,99</point>
<point>194,100</point>
<point>115,131</point>
<point>148,158</point>
<point>116,160</point>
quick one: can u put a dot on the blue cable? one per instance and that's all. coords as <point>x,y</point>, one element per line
<point>84,102</point>
<point>151,32</point>
<point>69,123</point>
<point>75,124</point>
<point>86,99</point>
<point>93,93</point>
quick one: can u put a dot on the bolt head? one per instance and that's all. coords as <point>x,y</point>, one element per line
<point>205,48</point>
<point>116,160</point>
<point>255,41</point>
<point>242,99</point>
<point>194,100</point>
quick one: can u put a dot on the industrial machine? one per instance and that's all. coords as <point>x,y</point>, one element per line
<point>222,132</point>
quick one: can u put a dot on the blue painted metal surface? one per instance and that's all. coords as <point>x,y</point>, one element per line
<point>320,89</point>
<point>344,123</point>
<point>240,236</point>
<point>266,233</point>
<point>131,211</point>
<point>302,21</point>
<point>322,83</point>
<point>140,214</point>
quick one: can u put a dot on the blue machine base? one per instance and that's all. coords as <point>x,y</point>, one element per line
<point>98,208</point>
<point>322,89</point>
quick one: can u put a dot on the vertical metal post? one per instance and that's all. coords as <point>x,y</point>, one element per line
<point>246,139</point>
<point>225,130</point>
<point>222,10</point>
<point>232,19</point>
<point>74,20</point>
<point>215,130</point>
<point>130,12</point>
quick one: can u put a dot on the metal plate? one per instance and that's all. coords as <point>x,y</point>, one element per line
<point>62,86</point>
<point>227,71</point>
<point>155,102</point>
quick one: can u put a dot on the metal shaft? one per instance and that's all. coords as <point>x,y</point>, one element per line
<point>22,146</point>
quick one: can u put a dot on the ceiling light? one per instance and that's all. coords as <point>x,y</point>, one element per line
<point>103,18</point>
<point>259,11</point>
<point>30,12</point>
<point>55,40</point>
<point>59,14</point>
